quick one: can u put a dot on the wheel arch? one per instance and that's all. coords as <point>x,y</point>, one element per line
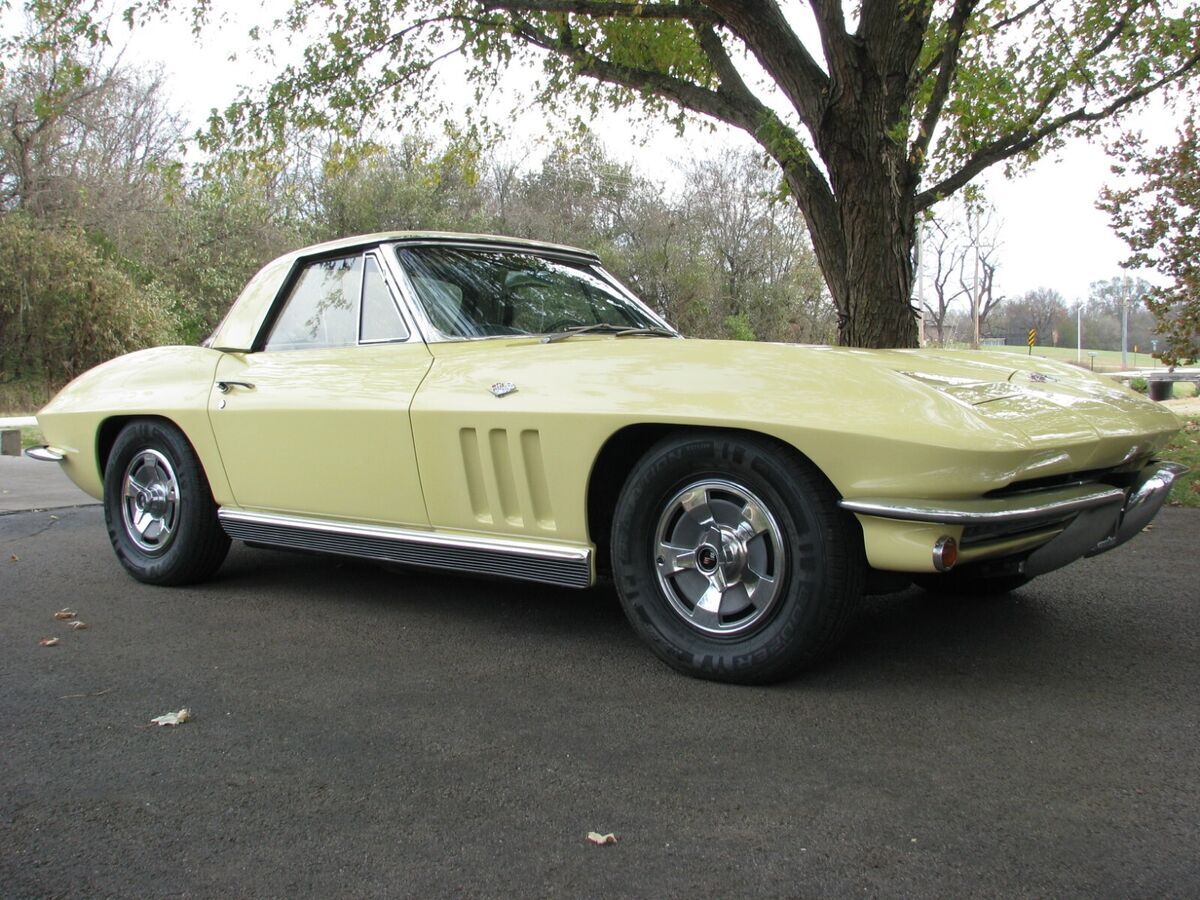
<point>110,427</point>
<point>626,446</point>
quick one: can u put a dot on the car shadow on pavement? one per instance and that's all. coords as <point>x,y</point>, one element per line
<point>912,637</point>
<point>396,590</point>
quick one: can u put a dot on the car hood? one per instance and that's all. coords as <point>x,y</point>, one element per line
<point>848,409</point>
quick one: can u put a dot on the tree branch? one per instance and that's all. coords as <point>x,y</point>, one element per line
<point>947,66</point>
<point>691,96</point>
<point>831,23</point>
<point>1011,144</point>
<point>732,103</point>
<point>1020,14</point>
<point>602,9</point>
<point>762,27</point>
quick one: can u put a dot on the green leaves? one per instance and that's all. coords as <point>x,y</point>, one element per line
<point>1029,76</point>
<point>1159,217</point>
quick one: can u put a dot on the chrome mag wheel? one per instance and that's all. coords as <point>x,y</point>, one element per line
<point>150,501</point>
<point>720,557</point>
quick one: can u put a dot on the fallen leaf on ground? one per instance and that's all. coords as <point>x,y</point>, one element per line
<point>175,718</point>
<point>78,626</point>
<point>48,642</point>
<point>595,837</point>
<point>65,614</point>
<point>15,558</point>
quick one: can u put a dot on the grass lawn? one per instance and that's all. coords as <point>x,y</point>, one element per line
<point>1185,448</point>
<point>31,437</point>
<point>1105,359</point>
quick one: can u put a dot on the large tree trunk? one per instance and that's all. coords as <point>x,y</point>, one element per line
<point>877,284</point>
<point>861,136</point>
<point>863,242</point>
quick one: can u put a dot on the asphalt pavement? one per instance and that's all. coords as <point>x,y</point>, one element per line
<point>360,732</point>
<point>27,484</point>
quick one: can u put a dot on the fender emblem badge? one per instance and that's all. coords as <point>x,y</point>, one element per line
<point>503,388</point>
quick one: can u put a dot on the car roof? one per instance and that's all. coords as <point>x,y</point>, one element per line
<point>244,319</point>
<point>442,237</point>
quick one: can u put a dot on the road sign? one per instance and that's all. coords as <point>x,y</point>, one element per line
<point>1032,337</point>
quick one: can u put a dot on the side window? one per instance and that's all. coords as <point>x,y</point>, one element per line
<point>322,310</point>
<point>380,318</point>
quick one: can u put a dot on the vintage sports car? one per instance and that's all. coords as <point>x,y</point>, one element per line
<point>501,407</point>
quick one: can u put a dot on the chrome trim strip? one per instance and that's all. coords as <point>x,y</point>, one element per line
<point>431,334</point>
<point>989,511</point>
<point>412,334</point>
<point>553,251</point>
<point>528,561</point>
<point>46,454</point>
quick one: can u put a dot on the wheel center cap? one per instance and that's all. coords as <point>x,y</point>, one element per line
<point>706,558</point>
<point>731,555</point>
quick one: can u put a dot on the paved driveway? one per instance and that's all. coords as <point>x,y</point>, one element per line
<point>366,733</point>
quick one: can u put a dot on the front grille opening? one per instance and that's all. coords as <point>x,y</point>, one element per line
<point>974,535</point>
<point>1115,477</point>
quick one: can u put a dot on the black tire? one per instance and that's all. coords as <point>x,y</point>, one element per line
<point>970,584</point>
<point>784,597</point>
<point>166,531</point>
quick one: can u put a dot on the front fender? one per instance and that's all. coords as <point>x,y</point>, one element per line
<point>171,383</point>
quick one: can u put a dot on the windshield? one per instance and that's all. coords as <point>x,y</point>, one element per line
<point>471,293</point>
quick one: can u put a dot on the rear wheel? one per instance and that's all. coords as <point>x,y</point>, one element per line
<point>161,517</point>
<point>732,558</point>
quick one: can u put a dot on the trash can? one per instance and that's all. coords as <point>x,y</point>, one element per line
<point>1160,389</point>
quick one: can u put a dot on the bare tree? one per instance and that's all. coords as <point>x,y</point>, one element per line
<point>943,250</point>
<point>85,142</point>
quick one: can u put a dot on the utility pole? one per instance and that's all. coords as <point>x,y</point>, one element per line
<point>975,284</point>
<point>920,286</point>
<point>1079,333</point>
<point>1124,322</point>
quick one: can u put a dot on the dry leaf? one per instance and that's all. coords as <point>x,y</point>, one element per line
<point>175,718</point>
<point>48,642</point>
<point>15,558</point>
<point>65,614</point>
<point>78,626</point>
<point>595,837</point>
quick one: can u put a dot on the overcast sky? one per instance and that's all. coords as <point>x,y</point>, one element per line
<point>1051,233</point>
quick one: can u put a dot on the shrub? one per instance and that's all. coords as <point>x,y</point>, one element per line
<point>64,307</point>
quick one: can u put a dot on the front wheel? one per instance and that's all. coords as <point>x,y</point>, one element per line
<point>160,514</point>
<point>732,558</point>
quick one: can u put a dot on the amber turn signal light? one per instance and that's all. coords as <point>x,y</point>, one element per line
<point>945,554</point>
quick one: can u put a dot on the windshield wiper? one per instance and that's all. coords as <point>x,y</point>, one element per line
<point>606,328</point>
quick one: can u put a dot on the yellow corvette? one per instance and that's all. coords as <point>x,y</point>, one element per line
<point>502,407</point>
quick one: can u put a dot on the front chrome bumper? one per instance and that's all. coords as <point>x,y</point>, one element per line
<point>45,454</point>
<point>1044,530</point>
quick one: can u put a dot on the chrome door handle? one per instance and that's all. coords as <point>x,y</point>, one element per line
<point>224,386</point>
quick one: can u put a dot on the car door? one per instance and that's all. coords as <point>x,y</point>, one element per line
<point>316,421</point>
